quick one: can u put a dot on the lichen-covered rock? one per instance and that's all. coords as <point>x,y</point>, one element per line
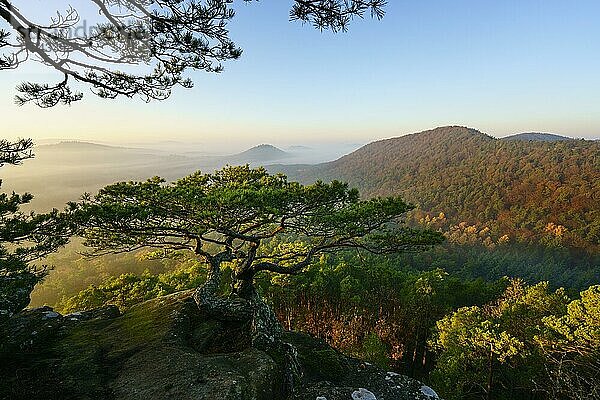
<point>166,349</point>
<point>330,374</point>
<point>366,382</point>
<point>319,361</point>
<point>363,394</point>
<point>107,312</point>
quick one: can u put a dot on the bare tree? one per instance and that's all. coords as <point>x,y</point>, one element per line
<point>572,376</point>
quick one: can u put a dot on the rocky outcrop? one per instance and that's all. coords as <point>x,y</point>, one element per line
<point>330,375</point>
<point>166,349</point>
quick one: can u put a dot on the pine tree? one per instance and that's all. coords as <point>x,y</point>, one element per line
<point>24,237</point>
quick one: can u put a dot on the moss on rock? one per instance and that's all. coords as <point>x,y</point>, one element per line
<point>166,349</point>
<point>319,361</point>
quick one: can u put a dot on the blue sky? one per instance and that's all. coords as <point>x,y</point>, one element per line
<point>500,66</point>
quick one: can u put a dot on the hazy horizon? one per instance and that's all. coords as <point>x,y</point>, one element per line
<point>182,145</point>
<point>500,67</point>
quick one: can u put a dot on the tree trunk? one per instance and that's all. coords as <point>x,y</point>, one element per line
<point>488,394</point>
<point>267,335</point>
<point>208,300</point>
<point>242,284</point>
<point>245,304</point>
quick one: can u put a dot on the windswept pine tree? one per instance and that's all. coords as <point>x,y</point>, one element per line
<point>252,220</point>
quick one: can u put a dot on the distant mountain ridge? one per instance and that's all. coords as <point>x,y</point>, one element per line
<point>63,171</point>
<point>538,137</point>
<point>87,147</point>
<point>77,144</point>
<point>260,153</point>
<point>526,189</point>
<point>523,189</point>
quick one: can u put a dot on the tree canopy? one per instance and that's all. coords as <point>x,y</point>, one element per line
<point>232,214</point>
<point>530,340</point>
<point>140,48</point>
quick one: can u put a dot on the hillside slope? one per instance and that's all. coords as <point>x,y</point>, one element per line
<point>531,191</point>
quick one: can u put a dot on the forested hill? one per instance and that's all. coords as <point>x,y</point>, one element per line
<point>531,191</point>
<point>539,137</point>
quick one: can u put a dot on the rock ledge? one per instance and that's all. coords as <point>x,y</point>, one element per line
<point>165,349</point>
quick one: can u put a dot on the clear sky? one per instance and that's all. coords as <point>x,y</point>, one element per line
<point>501,66</point>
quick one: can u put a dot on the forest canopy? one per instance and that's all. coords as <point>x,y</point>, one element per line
<point>474,186</point>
